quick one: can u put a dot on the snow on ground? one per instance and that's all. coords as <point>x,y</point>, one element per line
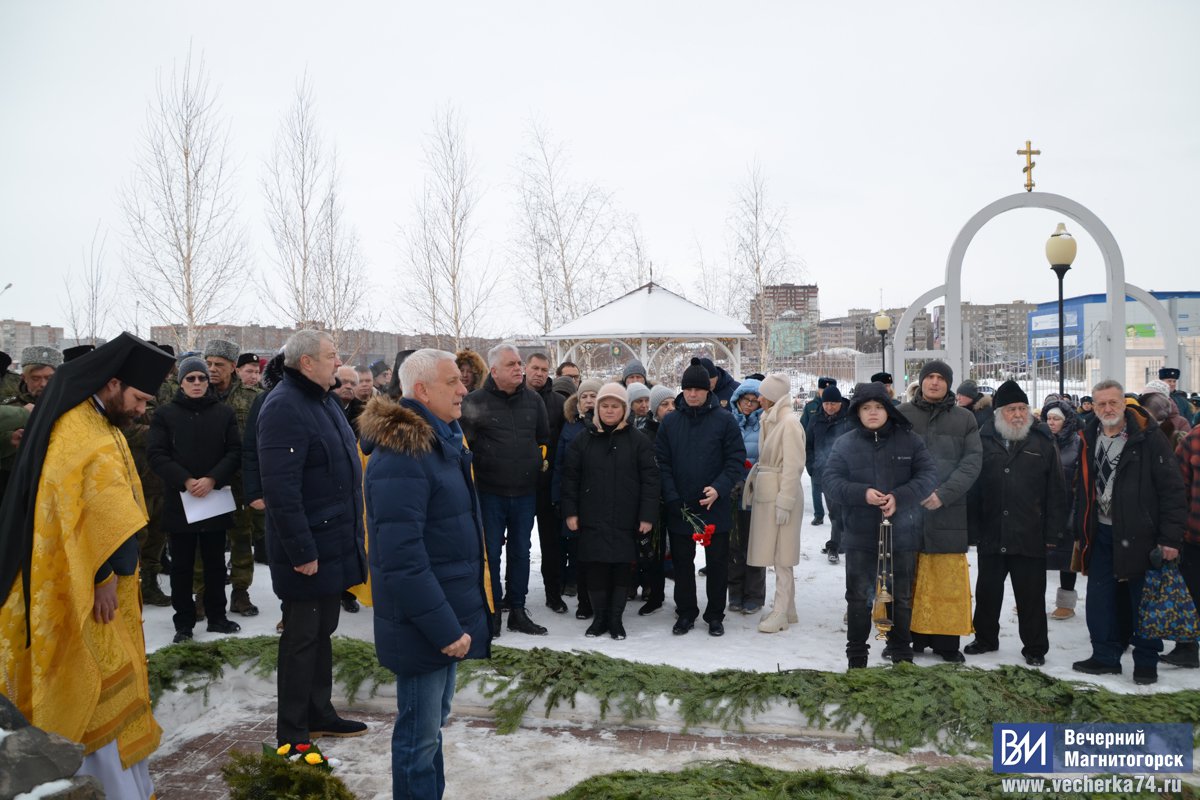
<point>503,765</point>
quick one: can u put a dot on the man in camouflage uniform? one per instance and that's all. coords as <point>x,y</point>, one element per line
<point>38,364</point>
<point>221,358</point>
<point>10,382</point>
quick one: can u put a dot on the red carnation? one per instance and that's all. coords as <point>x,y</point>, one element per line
<point>748,464</point>
<point>709,530</point>
<point>303,748</point>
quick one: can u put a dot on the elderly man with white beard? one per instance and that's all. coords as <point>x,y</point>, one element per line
<point>1018,509</point>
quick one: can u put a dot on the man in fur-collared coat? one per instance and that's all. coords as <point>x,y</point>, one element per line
<point>427,558</point>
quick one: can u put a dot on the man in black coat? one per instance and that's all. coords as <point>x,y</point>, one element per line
<point>1131,502</point>
<point>825,426</point>
<point>509,433</point>
<point>537,378</point>
<point>1018,510</point>
<point>700,456</point>
<point>312,487</point>
<point>811,409</point>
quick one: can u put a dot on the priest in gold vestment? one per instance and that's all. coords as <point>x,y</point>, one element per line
<point>72,650</point>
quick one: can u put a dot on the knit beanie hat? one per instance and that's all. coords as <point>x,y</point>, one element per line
<point>636,391</point>
<point>658,394</point>
<point>833,395</point>
<point>564,385</point>
<point>1157,386</point>
<point>968,389</point>
<point>192,364</point>
<point>1055,411</point>
<point>590,385</point>
<point>936,367</point>
<point>695,376</point>
<point>634,367</point>
<point>612,390</point>
<point>1009,392</point>
<point>709,366</point>
<point>775,387</point>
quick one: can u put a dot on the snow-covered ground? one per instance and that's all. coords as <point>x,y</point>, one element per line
<point>503,764</point>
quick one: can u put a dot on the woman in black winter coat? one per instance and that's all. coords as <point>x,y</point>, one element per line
<point>1065,424</point>
<point>879,469</point>
<point>195,448</point>
<point>609,496</point>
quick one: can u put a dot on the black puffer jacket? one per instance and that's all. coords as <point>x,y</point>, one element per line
<point>952,435</point>
<point>892,460</point>
<point>554,403</point>
<point>193,438</point>
<point>610,481</point>
<point>1149,503</point>
<point>505,432</point>
<point>1019,505</point>
<point>1069,444</point>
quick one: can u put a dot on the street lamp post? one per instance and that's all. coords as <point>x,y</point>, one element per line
<point>1060,252</point>
<point>883,324</point>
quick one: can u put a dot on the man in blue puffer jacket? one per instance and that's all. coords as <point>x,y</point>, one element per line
<point>700,456</point>
<point>427,559</point>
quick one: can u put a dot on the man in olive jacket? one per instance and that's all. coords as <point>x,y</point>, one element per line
<point>952,436</point>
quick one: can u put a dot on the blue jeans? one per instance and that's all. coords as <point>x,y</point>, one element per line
<point>1101,608</point>
<point>512,516</point>
<point>818,504</point>
<point>423,702</point>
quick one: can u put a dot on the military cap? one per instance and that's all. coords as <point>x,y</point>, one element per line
<point>72,353</point>
<point>246,358</point>
<point>219,348</point>
<point>1168,373</point>
<point>40,355</point>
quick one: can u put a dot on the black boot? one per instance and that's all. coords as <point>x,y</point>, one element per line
<point>152,593</point>
<point>599,602</point>
<point>1185,654</point>
<point>519,621</point>
<point>616,608</point>
<point>496,618</point>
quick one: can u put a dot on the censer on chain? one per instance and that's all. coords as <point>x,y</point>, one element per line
<point>880,611</point>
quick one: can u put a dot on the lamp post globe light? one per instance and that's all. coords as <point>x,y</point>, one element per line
<point>883,324</point>
<point>1060,252</point>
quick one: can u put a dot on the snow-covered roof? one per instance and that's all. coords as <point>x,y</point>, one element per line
<point>652,312</point>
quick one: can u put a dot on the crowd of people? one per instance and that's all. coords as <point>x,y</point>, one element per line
<point>415,486</point>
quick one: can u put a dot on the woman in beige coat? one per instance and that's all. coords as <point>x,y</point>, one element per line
<point>775,500</point>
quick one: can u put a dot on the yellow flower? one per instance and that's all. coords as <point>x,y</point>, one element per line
<point>313,758</point>
<point>284,749</point>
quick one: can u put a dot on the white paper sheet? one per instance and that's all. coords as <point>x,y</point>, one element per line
<point>213,504</point>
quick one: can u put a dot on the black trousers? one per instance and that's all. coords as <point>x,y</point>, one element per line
<point>1028,577</point>
<point>305,679</point>
<point>651,574</point>
<point>549,526</point>
<point>747,584</point>
<point>212,553</point>
<point>683,553</point>
<point>861,569</point>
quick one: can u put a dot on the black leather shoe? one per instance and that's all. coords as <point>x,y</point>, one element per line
<point>1144,676</point>
<point>182,636</point>
<point>1094,667</point>
<point>350,603</point>
<point>650,607</point>
<point>617,630</point>
<point>857,662</point>
<point>1185,654</point>
<point>223,626</point>
<point>682,626</point>
<point>1035,661</point>
<point>583,613</point>
<point>976,649</point>
<point>519,621</point>
<point>716,629</point>
<point>818,520</point>
<point>951,657</point>
<point>496,618</point>
<point>556,605</point>
<point>599,627</point>
<point>341,728</point>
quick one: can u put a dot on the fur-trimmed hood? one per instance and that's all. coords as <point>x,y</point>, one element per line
<point>475,362</point>
<point>387,423</point>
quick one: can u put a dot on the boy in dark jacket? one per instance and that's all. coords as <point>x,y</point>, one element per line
<point>879,470</point>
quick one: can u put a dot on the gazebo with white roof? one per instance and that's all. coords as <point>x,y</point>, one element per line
<point>648,319</point>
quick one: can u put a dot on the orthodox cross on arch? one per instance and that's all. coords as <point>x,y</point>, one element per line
<point>1029,153</point>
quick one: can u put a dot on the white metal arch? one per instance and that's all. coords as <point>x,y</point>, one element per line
<point>1112,356</point>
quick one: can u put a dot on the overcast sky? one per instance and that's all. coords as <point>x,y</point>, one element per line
<point>881,127</point>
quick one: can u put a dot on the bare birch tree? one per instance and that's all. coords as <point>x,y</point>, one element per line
<point>88,296</point>
<point>340,295</point>
<point>714,286</point>
<point>758,239</point>
<point>564,243</point>
<point>186,250</point>
<point>444,287</point>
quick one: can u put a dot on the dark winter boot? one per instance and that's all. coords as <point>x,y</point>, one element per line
<point>599,601</point>
<point>519,621</point>
<point>152,594</point>
<point>616,609</point>
<point>1185,654</point>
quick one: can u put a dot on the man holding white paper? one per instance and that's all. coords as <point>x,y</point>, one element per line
<point>194,446</point>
